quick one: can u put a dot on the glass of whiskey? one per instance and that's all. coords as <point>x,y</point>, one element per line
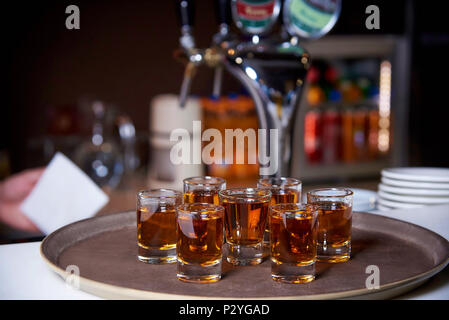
<point>156,225</point>
<point>293,242</point>
<point>283,190</point>
<point>199,242</point>
<point>334,223</point>
<point>203,189</point>
<point>246,211</point>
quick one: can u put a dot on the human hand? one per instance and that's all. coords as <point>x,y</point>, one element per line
<point>13,191</point>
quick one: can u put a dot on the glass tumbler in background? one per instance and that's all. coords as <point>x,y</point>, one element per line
<point>199,242</point>
<point>156,225</point>
<point>283,190</point>
<point>203,189</point>
<point>293,237</point>
<point>334,223</point>
<point>246,211</point>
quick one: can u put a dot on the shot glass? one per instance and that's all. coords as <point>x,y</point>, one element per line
<point>203,189</point>
<point>246,212</point>
<point>283,190</point>
<point>293,237</point>
<point>334,223</point>
<point>156,225</point>
<point>199,242</point>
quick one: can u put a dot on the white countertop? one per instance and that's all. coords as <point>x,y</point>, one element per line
<point>24,275</point>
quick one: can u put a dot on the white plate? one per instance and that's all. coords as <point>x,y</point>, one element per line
<point>413,184</point>
<point>397,205</point>
<point>426,174</point>
<point>412,191</point>
<point>413,199</point>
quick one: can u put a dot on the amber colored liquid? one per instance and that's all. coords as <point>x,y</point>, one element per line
<point>156,229</point>
<point>201,196</point>
<point>200,240</point>
<point>288,196</point>
<point>334,224</point>
<point>245,222</point>
<point>293,239</point>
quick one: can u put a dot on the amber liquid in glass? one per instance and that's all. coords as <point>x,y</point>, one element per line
<point>334,224</point>
<point>293,239</point>
<point>288,196</point>
<point>156,229</point>
<point>200,241</point>
<point>201,196</point>
<point>245,222</point>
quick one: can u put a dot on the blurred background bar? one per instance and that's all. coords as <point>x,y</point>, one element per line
<point>373,98</point>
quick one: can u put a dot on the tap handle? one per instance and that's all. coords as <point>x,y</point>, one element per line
<point>218,79</point>
<point>186,12</point>
<point>223,9</point>
<point>189,73</point>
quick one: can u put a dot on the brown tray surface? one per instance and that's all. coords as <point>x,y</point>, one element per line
<point>104,249</point>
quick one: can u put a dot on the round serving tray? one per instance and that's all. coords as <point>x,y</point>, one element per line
<point>104,250</point>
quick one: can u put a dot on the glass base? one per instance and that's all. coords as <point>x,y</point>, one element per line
<point>199,274</point>
<point>292,273</point>
<point>156,256</point>
<point>334,254</point>
<point>245,255</point>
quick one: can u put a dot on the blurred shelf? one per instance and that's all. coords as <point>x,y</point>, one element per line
<point>330,172</point>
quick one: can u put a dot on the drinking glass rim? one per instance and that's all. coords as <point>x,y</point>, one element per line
<point>277,208</point>
<point>147,194</point>
<point>205,207</point>
<point>347,192</point>
<point>292,182</point>
<point>257,194</point>
<point>190,181</point>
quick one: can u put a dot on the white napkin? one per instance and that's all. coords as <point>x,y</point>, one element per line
<point>64,194</point>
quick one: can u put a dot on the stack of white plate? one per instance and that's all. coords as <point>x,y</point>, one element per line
<point>413,187</point>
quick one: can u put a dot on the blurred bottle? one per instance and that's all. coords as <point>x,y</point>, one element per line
<point>315,95</point>
<point>360,115</point>
<point>331,127</point>
<point>373,133</point>
<point>353,122</point>
<point>313,125</point>
<point>347,147</point>
<point>352,94</point>
<point>365,87</point>
<point>313,75</point>
<point>331,75</point>
<point>372,122</point>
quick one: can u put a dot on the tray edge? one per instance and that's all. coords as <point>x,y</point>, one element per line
<point>116,292</point>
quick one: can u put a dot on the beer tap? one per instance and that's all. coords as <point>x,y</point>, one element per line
<point>194,57</point>
<point>187,42</point>
<point>272,68</point>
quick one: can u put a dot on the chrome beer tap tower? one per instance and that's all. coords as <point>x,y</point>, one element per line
<point>265,56</point>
